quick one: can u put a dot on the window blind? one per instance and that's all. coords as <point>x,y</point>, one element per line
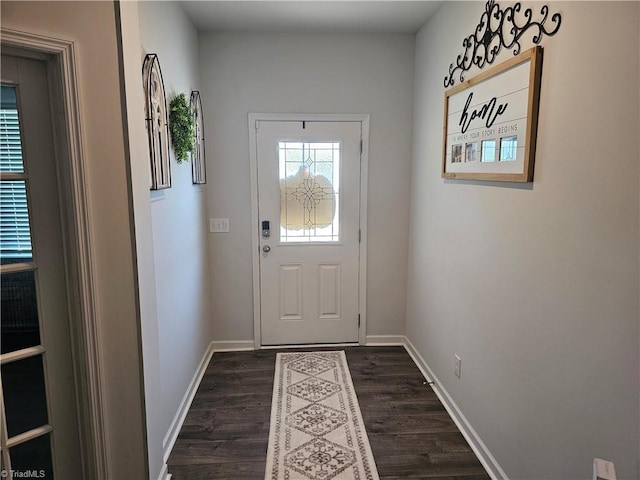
<point>15,235</point>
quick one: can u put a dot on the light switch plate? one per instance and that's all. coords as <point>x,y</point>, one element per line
<point>218,225</point>
<point>603,470</point>
<point>458,365</point>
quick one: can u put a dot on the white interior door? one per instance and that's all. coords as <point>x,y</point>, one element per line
<point>38,419</point>
<point>309,212</point>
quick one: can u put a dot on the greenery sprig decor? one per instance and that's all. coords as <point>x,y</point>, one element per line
<point>181,127</point>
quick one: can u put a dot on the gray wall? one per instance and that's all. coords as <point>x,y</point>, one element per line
<point>307,73</point>
<point>176,232</point>
<point>536,287</point>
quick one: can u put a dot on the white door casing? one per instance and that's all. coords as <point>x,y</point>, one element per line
<point>309,179</point>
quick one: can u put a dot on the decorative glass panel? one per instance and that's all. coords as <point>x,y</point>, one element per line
<point>20,328</point>
<point>25,397</point>
<point>157,123</point>
<point>309,191</point>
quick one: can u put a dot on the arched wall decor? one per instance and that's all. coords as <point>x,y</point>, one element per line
<point>157,123</point>
<point>497,29</point>
<point>198,166</point>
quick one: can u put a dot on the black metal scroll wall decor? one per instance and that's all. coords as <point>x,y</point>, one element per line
<point>198,167</point>
<point>499,28</point>
<point>157,122</point>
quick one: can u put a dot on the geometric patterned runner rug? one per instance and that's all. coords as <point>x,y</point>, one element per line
<point>316,431</point>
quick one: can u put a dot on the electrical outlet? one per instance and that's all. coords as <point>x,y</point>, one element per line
<point>218,225</point>
<point>458,366</point>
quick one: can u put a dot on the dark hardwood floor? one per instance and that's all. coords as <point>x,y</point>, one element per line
<point>225,434</point>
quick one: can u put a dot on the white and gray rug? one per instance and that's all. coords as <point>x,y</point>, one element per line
<point>316,431</point>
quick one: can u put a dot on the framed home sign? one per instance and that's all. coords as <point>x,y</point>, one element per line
<point>490,122</point>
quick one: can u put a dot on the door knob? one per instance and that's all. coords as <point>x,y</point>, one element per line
<point>266,249</point>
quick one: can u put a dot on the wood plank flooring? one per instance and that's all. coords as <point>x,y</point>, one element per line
<point>226,432</point>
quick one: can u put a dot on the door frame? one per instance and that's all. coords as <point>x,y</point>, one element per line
<point>255,227</point>
<point>60,57</point>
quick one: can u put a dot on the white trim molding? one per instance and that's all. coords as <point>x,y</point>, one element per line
<point>308,345</point>
<point>164,473</point>
<point>171,436</point>
<point>487,460</point>
<point>61,58</point>
<point>255,230</point>
<point>233,345</point>
<point>385,340</point>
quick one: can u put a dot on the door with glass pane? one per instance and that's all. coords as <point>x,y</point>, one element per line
<point>38,423</point>
<point>309,209</point>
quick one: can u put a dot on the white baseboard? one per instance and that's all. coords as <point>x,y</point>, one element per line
<point>176,424</point>
<point>307,345</point>
<point>164,473</point>
<point>384,340</point>
<point>233,346</point>
<point>475,442</point>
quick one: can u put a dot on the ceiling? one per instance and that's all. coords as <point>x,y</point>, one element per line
<point>328,16</point>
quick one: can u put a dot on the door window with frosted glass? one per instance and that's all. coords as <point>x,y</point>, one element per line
<point>309,191</point>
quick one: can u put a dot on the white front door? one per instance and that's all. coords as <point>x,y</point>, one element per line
<point>38,416</point>
<point>309,213</point>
